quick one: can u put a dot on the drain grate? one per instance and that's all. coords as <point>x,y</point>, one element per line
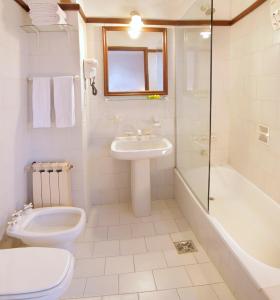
<point>185,247</point>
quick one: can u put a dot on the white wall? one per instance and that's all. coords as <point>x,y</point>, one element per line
<point>110,178</point>
<point>56,53</point>
<point>23,55</point>
<point>255,90</point>
<point>13,110</point>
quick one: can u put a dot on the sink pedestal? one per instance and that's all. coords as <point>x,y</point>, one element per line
<point>141,187</point>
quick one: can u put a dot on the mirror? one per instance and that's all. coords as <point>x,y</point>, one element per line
<point>134,67</point>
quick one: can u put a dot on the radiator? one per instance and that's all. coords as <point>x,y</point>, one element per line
<point>51,184</point>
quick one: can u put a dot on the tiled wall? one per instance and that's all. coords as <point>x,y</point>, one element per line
<point>109,179</point>
<point>13,110</point>
<point>220,96</point>
<point>58,53</point>
<point>254,99</point>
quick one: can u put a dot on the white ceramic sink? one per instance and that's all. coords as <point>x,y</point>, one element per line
<point>140,147</point>
<point>139,150</point>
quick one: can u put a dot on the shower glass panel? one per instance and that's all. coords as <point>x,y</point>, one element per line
<point>193,104</point>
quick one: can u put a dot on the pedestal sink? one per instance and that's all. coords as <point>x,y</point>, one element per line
<point>140,149</point>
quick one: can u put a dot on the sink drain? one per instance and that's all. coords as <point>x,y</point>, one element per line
<point>183,247</point>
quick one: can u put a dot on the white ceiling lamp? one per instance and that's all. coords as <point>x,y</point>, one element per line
<point>205,34</point>
<point>136,25</point>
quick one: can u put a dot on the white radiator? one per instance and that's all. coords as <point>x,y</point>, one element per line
<point>51,184</point>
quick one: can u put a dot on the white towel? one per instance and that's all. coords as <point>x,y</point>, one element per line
<point>47,13</point>
<point>64,101</point>
<point>49,21</point>
<point>41,102</point>
<point>31,2</point>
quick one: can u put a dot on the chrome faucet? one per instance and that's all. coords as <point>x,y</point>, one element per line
<point>28,206</point>
<point>17,214</point>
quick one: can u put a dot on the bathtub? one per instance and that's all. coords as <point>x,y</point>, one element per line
<point>242,230</point>
<point>249,221</point>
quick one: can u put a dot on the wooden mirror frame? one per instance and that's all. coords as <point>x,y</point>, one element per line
<point>164,92</point>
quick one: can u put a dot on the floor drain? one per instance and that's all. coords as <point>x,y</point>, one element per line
<point>185,247</point>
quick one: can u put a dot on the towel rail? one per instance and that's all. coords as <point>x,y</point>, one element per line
<point>76,77</point>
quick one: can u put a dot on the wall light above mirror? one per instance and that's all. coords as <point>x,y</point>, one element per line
<point>135,66</point>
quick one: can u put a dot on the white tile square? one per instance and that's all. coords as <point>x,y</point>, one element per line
<point>76,289</point>
<point>96,234</point>
<point>119,265</point>
<point>171,203</point>
<point>122,232</point>
<point>182,224</point>
<point>136,282</point>
<point>202,274</point>
<point>108,218</point>
<point>160,295</point>
<point>122,297</point>
<point>133,246</point>
<point>83,250</point>
<point>128,217</point>
<point>171,278</point>
<point>224,293</point>
<point>201,256</point>
<point>89,267</point>
<point>165,227</point>
<point>198,293</point>
<point>149,261</point>
<point>174,259</point>
<point>106,248</point>
<point>101,286</point>
<point>159,243</point>
<point>155,216</point>
<point>143,229</point>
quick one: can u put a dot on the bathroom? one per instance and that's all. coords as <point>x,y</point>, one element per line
<point>161,188</point>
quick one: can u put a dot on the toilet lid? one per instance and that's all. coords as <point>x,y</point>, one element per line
<point>30,270</point>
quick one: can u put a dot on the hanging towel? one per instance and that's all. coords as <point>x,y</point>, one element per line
<point>64,101</point>
<point>41,102</point>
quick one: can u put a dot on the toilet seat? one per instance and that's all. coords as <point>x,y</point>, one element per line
<point>34,273</point>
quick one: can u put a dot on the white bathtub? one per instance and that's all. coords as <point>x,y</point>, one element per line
<point>249,220</point>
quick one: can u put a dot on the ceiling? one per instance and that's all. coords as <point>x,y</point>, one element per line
<point>163,9</point>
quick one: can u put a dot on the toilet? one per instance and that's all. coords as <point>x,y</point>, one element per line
<point>56,227</point>
<point>35,273</point>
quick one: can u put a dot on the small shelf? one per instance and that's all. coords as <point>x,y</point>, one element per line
<point>48,28</point>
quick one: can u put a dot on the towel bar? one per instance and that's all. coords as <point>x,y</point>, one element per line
<point>76,77</point>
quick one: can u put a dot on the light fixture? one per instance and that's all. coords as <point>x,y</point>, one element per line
<point>136,25</point>
<point>205,34</point>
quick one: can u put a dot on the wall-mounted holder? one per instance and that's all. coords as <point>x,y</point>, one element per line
<point>263,134</point>
<point>90,72</point>
<point>67,28</point>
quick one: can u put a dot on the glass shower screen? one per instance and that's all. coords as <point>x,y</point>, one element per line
<point>193,107</point>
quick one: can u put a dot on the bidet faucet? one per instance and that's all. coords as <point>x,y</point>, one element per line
<point>13,222</point>
<point>17,214</point>
<point>27,206</point>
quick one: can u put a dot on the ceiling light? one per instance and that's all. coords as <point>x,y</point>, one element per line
<point>205,34</point>
<point>136,25</point>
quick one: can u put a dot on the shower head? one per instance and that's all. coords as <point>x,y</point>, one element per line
<point>206,8</point>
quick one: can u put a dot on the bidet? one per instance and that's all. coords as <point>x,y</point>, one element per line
<point>48,227</point>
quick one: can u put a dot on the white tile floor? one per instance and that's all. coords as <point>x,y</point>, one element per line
<point>121,257</point>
